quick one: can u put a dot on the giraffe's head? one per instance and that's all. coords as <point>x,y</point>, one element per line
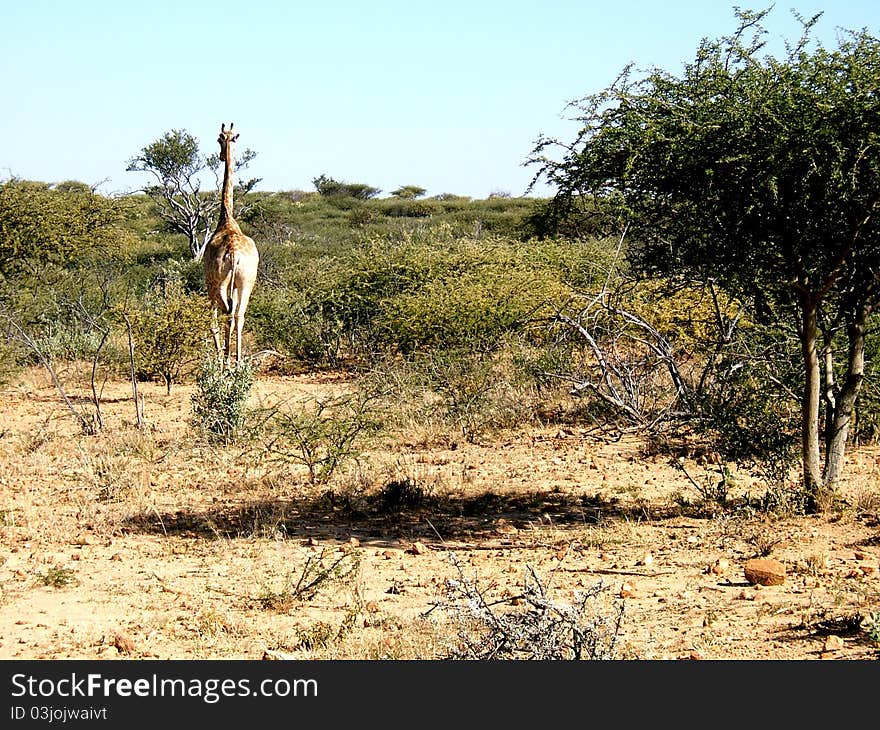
<point>227,137</point>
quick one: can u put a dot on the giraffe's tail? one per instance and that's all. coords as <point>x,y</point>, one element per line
<point>228,301</point>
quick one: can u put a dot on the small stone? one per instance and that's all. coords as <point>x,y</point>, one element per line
<point>693,539</point>
<point>833,643</point>
<point>371,606</point>
<point>859,555</point>
<point>417,548</point>
<point>123,643</point>
<point>354,542</point>
<point>647,560</point>
<point>764,571</point>
<point>389,554</point>
<point>628,590</point>
<point>720,566</point>
<point>274,655</point>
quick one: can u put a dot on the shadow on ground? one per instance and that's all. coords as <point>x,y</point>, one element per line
<point>391,517</point>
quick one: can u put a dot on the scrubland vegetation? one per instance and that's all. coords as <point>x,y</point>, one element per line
<point>462,310</point>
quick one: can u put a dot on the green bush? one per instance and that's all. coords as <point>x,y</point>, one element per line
<point>40,225</point>
<point>322,434</point>
<point>866,419</point>
<point>12,355</point>
<point>63,338</point>
<point>292,321</point>
<point>413,290</point>
<point>434,289</point>
<point>219,403</point>
<point>169,331</point>
<point>405,208</point>
<point>753,422</point>
<point>475,309</point>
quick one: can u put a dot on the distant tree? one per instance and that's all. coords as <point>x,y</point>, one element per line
<point>409,192</point>
<point>72,186</point>
<point>759,173</point>
<point>176,164</point>
<point>329,187</point>
<point>39,225</point>
<point>451,198</point>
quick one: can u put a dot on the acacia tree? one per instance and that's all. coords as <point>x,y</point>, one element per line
<point>409,192</point>
<point>762,173</point>
<point>329,187</point>
<point>177,165</point>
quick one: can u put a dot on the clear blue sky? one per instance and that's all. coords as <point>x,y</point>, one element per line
<point>447,95</point>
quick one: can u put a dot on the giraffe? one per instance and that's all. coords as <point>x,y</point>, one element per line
<point>230,262</point>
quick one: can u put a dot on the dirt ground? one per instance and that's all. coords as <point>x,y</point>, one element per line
<point>152,544</point>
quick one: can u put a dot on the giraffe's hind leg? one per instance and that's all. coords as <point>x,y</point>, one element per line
<point>233,329</point>
<point>215,331</point>
<point>241,307</point>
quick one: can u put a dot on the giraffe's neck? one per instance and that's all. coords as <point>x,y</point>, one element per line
<point>226,203</point>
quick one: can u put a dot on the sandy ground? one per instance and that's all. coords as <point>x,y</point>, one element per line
<point>155,545</point>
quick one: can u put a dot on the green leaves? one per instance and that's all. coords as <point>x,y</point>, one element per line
<point>172,157</point>
<point>40,224</point>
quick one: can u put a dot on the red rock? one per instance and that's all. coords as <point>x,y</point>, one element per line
<point>764,571</point>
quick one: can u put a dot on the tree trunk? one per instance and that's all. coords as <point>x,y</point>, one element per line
<point>829,393</point>
<point>812,470</point>
<point>846,400</point>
